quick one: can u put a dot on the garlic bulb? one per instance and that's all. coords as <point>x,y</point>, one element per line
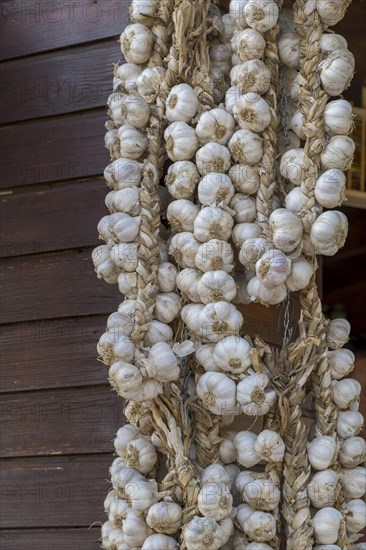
<point>245,178</point>
<point>336,71</point>
<point>148,83</point>
<point>215,501</point>
<point>215,189</point>
<point>252,112</point>
<point>233,354</point>
<point>190,315</point>
<point>291,165</point>
<point>269,446</point>
<point>330,188</point>
<point>220,57</point>
<point>219,320</point>
<point>286,229</point>
<point>127,74</point>
<point>228,28</point>
<point>158,332</point>
<point>206,534</point>
<point>183,247</point>
<point>289,49</point>
<point>213,157</point>
<point>341,362</point>
<point>326,524</point>
<point>167,307</point>
<point>204,356</point>
<point>244,208</point>
<point>216,285</point>
<point>181,215</point>
<point>132,142</point>
<point>346,392</point>
<point>262,494</point>
<point>323,488</point>
<point>331,12</point>
<point>273,268</point>
<point>159,542</point>
<point>242,232</point>
<point>294,200</point>
<point>162,364</point>
<point>123,228</point>
<point>260,526</point>
<point>301,273</point>
<point>142,10</point>
<point>338,153</point>
<point>181,104</point>
<point>352,452</point>
<point>126,379</point>
<point>297,125</point>
<point>182,179</point>
<point>124,435</point>
<point>251,76</point>
<point>353,482</point>
<point>212,223</point>
<point>246,147</point>
<point>215,254</point>
<point>217,392</point>
<point>123,173</point>
<point>349,423</point>
<point>249,44</point>
<point>165,517</point>
<point>254,396</point>
<point>129,109</point>
<point>338,332</point>
<point>127,201</point>
<point>330,42</point>
<point>356,518</point>
<point>215,473</point>
<point>252,250</point>
<point>124,255</point>
<point>231,96</point>
<point>243,512</point>
<point>181,141</point>
<point>237,13</point>
<point>167,274</point>
<point>261,17</point>
<point>187,281</point>
<point>338,118</point>
<point>321,451</point>
<point>141,455</point>
<point>215,125</point>
<point>137,43</point>
<point>227,448</point>
<point>328,233</point>
<point>244,442</point>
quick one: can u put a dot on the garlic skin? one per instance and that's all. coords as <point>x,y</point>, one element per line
<point>321,451</point>
<point>181,104</point>
<point>132,142</point>
<point>352,452</point>
<point>215,125</point>
<point>353,482</point>
<point>291,165</point>
<point>216,285</point>
<point>157,332</point>
<point>137,43</point>
<point>127,75</point>
<point>349,424</point>
<point>183,247</point>
<point>123,173</point>
<point>336,71</point>
<point>217,392</point>
<point>300,276</point>
<point>232,354</point>
<point>252,250</point>
<point>286,229</point>
<point>187,281</point>
<point>260,526</point>
<point>252,112</point>
<point>167,307</point>
<point>330,42</point>
<point>214,254</point>
<point>244,442</point>
<point>227,448</point>
<point>219,320</point>
<point>341,363</point>
<point>246,147</point>
<point>326,524</point>
<point>261,17</point>
<point>273,268</point>
<point>328,233</point>
<point>269,446</point>
<point>262,494</point>
<point>245,178</point>
<point>338,117</point>
<point>330,188</point>
<point>165,517</point>
<point>254,396</point>
<point>148,83</point>
<point>215,501</point>
<point>158,542</point>
<point>323,488</point>
<point>248,44</point>
<point>162,364</point>
<point>213,157</point>
<point>338,332</point>
<point>206,534</point>
<point>181,215</point>
<point>212,223</point>
<point>215,189</point>
<point>242,232</point>
<point>356,518</point>
<point>182,179</point>
<point>251,76</point>
<point>338,153</point>
<point>244,208</point>
<point>181,141</point>
<point>289,49</point>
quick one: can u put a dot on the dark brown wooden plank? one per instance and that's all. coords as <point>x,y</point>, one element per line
<point>68,421</point>
<point>49,286</point>
<point>51,354</point>
<point>45,25</point>
<point>57,539</point>
<point>51,84</point>
<point>54,492</point>
<point>53,149</point>
<point>53,217</point>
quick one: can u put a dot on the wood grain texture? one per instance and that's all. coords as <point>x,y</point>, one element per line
<point>45,25</point>
<point>52,217</point>
<point>51,354</point>
<point>38,86</point>
<point>54,492</point>
<point>44,539</point>
<point>53,149</point>
<point>64,421</point>
<point>54,285</point>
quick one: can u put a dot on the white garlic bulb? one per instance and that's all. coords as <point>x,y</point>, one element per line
<point>291,165</point>
<point>261,17</point>
<point>300,276</point>
<point>328,233</point>
<point>183,247</point>
<point>125,229</point>
<point>215,125</point>
<point>215,189</point>
<point>206,534</point>
<point>326,524</point>
<point>124,435</point>
<point>213,157</point>
<point>181,141</point>
<point>331,41</point>
<point>254,396</point>
<point>330,188</point>
<point>190,315</point>
<point>181,104</point>
<point>353,482</point>
<point>127,75</point>
<point>338,117</point>
<point>286,229</point>
<point>289,49</point>
<point>336,71</point>
<point>141,455</point>
<point>216,285</point>
<point>321,451</point>
<point>162,363</point>
<point>260,526</point>
<point>341,362</point>
<point>123,173</point>
<point>297,125</point>
<point>338,153</point>
<point>215,473</point>
<point>232,471</point>
<point>187,281</point>
<point>252,112</point>
<point>294,200</point>
<point>323,488</point>
<point>244,208</point>
<point>269,446</point>
<point>217,392</point>
<point>157,332</point>
<point>237,13</point>
<point>212,223</point>
<point>246,147</point>
<point>331,12</point>
<point>219,320</point>
<point>126,201</point>
<point>242,232</point>
<point>227,448</point>
<point>204,356</point>
<point>273,268</point>
<point>182,179</point>
<point>124,255</point>
<point>132,142</point>
<point>215,254</point>
<point>141,10</point>
<point>245,178</point>
<point>248,44</point>
<point>346,392</point>
<point>148,83</point>
<point>243,512</point>
<point>167,307</point>
<point>349,423</point>
<point>251,76</point>
<point>252,250</point>
<point>165,517</point>
<point>129,109</point>
<point>220,57</point>
<point>233,354</point>
<point>137,43</point>
<point>352,452</point>
<point>215,501</point>
<point>126,379</point>
<point>244,442</point>
<point>338,332</point>
<point>356,517</point>
<point>181,215</point>
<point>167,274</point>
<point>227,31</point>
<point>327,547</point>
<point>262,494</point>
<point>159,542</point>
